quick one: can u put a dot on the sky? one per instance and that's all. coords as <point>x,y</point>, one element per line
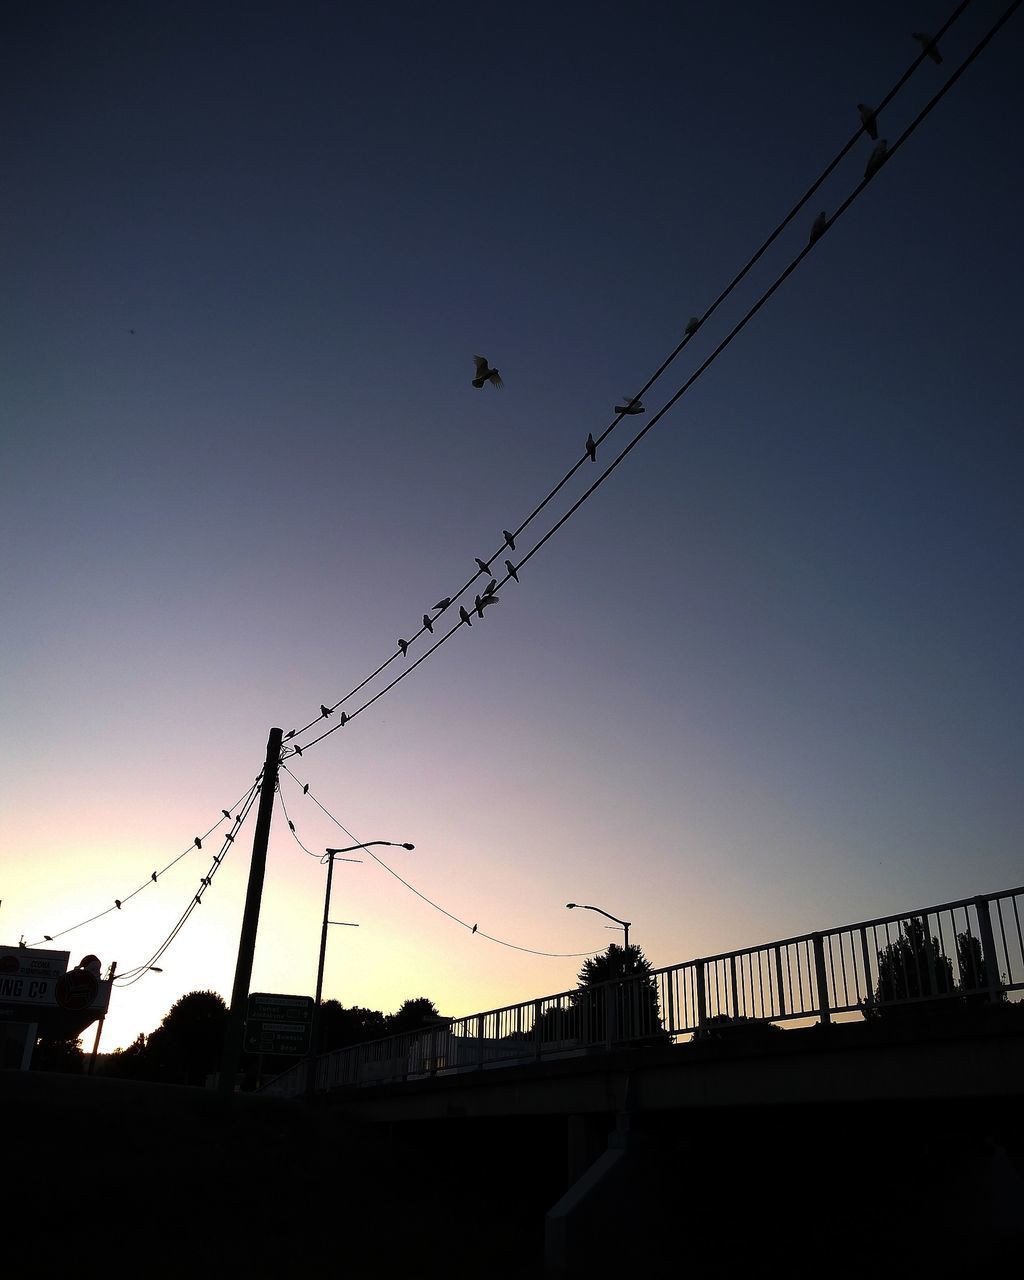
<point>766,680</point>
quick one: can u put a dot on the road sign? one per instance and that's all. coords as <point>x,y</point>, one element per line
<point>278,1024</point>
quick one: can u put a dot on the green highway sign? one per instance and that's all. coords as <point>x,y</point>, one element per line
<point>278,1024</point>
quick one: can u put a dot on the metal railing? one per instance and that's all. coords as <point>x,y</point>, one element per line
<point>957,953</point>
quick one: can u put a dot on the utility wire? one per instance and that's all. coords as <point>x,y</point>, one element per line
<point>130,976</point>
<point>692,330</point>
<point>154,876</point>
<point>702,368</point>
<point>557,955</point>
<point>291,827</point>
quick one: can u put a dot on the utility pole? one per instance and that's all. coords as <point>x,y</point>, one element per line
<point>250,919</point>
<point>99,1026</point>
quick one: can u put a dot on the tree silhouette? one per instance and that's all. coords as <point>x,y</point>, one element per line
<point>341,1027</point>
<point>412,1015</point>
<point>62,1054</point>
<point>189,1042</point>
<point>632,1004</point>
<point>914,968</point>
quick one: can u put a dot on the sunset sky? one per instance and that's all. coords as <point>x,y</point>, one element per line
<point>768,679</point>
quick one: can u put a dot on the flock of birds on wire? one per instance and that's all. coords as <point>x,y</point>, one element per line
<point>632,405</point>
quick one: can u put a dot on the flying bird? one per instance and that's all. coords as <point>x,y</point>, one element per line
<point>197,842</point>
<point>443,604</point>
<point>427,623</point>
<point>324,711</point>
<point>510,542</point>
<point>117,903</point>
<point>404,646</point>
<point>633,405</point>
<point>692,325</point>
<point>474,929</point>
<point>592,446</point>
<point>465,616</point>
<point>818,227</point>
<point>928,44</point>
<point>877,158</point>
<point>867,119</point>
<point>485,374</point>
<point>484,566</point>
<point>511,570</point>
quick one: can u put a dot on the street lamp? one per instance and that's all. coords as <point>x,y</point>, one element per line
<point>571,906</point>
<point>329,857</point>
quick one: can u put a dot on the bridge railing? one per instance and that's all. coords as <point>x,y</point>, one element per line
<point>965,952</point>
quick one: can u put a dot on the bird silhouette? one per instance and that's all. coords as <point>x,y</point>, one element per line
<point>473,930</point>
<point>443,604</point>
<point>486,600</point>
<point>483,565</point>
<point>928,44</point>
<point>491,587</point>
<point>117,903</point>
<point>510,541</point>
<point>205,880</point>
<point>198,900</point>
<point>511,570</point>
<point>404,646</point>
<point>153,877</point>
<point>197,842</point>
<point>877,158</point>
<point>131,330</point>
<point>324,711</point>
<point>298,749</point>
<point>465,616</point>
<point>225,813</point>
<point>818,227</point>
<point>427,623</point>
<point>485,374</point>
<point>591,447</point>
<point>47,938</point>
<point>305,789</point>
<point>345,717</point>
<point>633,405</point>
<point>291,826</point>
<point>289,734</point>
<point>230,839</point>
<point>867,119</point>
<point>478,604</point>
<point>692,325</point>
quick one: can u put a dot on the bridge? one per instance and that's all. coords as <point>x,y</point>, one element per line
<point>908,1026</point>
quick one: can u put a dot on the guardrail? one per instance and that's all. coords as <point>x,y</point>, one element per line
<point>957,953</point>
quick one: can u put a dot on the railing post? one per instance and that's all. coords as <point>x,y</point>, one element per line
<point>538,1042</point>
<point>480,1039</point>
<point>735,987</point>
<point>670,979</point>
<point>779,983</point>
<point>988,950</point>
<point>821,975</point>
<point>702,995</point>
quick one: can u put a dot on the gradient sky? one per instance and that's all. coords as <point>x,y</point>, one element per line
<point>767,680</point>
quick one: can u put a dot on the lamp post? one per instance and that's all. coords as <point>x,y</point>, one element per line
<point>329,857</point>
<point>571,906</point>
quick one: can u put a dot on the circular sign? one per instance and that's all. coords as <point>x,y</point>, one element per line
<point>76,989</point>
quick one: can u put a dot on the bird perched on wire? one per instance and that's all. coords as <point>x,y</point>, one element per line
<point>818,227</point>
<point>427,623</point>
<point>152,876</point>
<point>324,711</point>
<point>474,929</point>
<point>928,44</point>
<point>868,120</point>
<point>591,447</point>
<point>465,616</point>
<point>117,903</point>
<point>443,604</point>
<point>484,373</point>
<point>197,842</point>
<point>225,813</point>
<point>404,646</point>
<point>692,325</point>
<point>344,718</point>
<point>510,541</point>
<point>482,565</point>
<point>491,587</point>
<point>478,605</point>
<point>511,570</point>
<point>633,405</point>
<point>877,158</point>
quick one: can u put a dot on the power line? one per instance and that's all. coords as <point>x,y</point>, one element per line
<point>709,360</point>
<point>691,330</point>
<point>153,878</point>
<point>130,976</point>
<point>557,955</point>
